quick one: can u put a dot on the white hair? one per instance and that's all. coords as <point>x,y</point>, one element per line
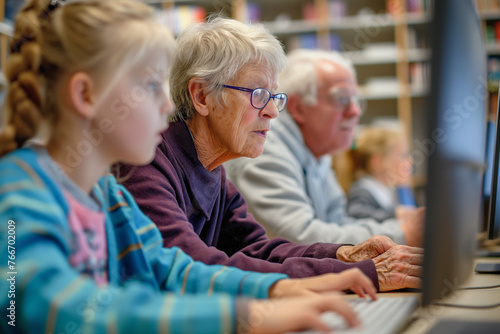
<point>299,75</point>
<point>215,51</point>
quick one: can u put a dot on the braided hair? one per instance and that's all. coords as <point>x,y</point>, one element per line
<point>101,37</point>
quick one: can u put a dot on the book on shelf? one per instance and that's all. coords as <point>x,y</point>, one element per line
<point>493,73</point>
<point>492,33</point>
<point>334,9</point>
<point>337,9</point>
<point>253,12</point>
<point>419,76</point>
<point>396,7</point>
<point>303,41</point>
<point>180,17</point>
<point>310,41</point>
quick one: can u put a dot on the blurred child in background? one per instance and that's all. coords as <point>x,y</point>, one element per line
<point>383,167</point>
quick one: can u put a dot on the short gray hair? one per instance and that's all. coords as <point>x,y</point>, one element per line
<point>215,51</point>
<point>299,75</point>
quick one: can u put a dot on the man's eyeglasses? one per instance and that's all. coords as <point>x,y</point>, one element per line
<point>341,99</point>
<point>260,97</point>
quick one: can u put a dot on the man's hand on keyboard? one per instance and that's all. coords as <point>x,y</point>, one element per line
<point>397,266</point>
<point>352,279</point>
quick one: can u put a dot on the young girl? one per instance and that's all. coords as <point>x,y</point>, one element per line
<point>384,166</point>
<point>77,254</point>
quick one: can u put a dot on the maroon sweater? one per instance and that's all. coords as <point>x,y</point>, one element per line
<point>205,215</point>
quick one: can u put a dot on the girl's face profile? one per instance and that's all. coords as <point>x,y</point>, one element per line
<point>134,114</point>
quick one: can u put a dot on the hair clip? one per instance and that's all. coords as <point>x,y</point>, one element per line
<point>44,16</point>
<point>53,5</point>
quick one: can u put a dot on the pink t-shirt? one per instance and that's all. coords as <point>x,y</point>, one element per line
<point>89,254</point>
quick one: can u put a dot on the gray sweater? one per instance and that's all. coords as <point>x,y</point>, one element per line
<point>296,196</point>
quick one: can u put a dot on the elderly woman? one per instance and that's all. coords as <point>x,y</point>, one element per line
<point>224,84</point>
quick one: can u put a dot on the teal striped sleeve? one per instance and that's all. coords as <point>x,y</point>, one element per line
<point>179,272</point>
<point>50,296</point>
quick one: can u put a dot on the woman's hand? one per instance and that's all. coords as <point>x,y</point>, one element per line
<point>352,279</point>
<point>295,314</point>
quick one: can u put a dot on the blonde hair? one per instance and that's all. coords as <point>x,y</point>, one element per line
<point>374,140</point>
<point>101,37</point>
<point>215,51</point>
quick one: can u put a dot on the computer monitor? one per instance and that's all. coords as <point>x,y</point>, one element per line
<point>493,226</point>
<point>456,129</point>
<point>489,156</point>
<point>488,174</point>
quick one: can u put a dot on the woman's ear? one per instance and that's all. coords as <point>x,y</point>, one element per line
<point>82,94</point>
<point>198,95</point>
<point>294,107</point>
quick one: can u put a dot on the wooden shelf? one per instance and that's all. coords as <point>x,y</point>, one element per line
<point>493,49</point>
<point>284,18</point>
<point>391,95</point>
<point>348,23</point>
<point>490,15</point>
<point>358,58</point>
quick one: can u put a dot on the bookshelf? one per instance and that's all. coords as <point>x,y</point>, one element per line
<point>383,38</point>
<point>489,13</point>
<point>382,45</point>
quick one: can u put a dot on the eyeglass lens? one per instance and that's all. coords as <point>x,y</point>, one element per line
<point>342,101</point>
<point>261,96</point>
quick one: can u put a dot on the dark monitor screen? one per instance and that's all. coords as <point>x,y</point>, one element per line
<point>456,123</point>
<point>493,227</point>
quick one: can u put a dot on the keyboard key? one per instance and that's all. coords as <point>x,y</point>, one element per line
<point>384,316</point>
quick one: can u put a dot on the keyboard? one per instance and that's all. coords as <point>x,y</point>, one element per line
<point>384,316</point>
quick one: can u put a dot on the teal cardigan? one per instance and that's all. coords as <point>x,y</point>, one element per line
<point>151,289</point>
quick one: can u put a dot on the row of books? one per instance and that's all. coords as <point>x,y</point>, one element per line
<point>180,17</point>
<point>310,41</point>
<point>419,76</point>
<point>493,73</point>
<point>335,9</point>
<point>412,6</point>
<point>492,33</point>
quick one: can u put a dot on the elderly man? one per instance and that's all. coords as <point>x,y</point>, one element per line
<point>224,82</point>
<point>291,188</point>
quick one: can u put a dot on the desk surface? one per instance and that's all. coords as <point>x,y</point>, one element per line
<point>423,319</point>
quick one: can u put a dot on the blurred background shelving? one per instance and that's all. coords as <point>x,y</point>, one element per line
<point>385,40</point>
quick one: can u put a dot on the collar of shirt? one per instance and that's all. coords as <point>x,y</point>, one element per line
<point>202,184</point>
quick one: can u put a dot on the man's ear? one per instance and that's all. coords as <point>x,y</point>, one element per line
<point>198,95</point>
<point>82,94</point>
<point>294,107</point>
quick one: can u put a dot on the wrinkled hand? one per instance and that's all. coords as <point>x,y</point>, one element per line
<point>399,267</point>
<point>352,279</point>
<point>368,249</point>
<point>295,314</point>
<point>413,227</point>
